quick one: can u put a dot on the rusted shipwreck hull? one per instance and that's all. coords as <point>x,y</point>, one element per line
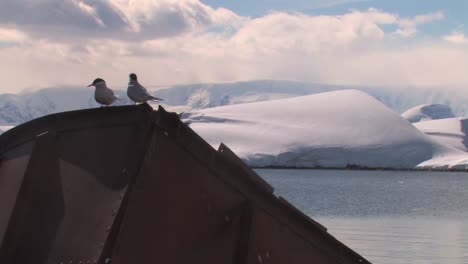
<point>129,185</point>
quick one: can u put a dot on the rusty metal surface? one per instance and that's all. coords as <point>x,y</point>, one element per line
<point>12,169</point>
<point>228,154</point>
<point>178,215</point>
<point>130,185</point>
<point>39,208</point>
<point>74,184</point>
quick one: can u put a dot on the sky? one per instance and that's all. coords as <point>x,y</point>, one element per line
<point>392,43</point>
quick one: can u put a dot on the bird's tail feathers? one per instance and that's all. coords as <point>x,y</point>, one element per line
<point>156,98</point>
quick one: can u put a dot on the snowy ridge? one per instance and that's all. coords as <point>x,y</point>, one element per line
<point>4,128</point>
<point>448,131</point>
<point>332,129</point>
<point>199,96</point>
<point>309,127</point>
<point>18,108</point>
<point>428,112</point>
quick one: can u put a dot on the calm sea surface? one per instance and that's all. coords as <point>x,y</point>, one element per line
<point>386,216</point>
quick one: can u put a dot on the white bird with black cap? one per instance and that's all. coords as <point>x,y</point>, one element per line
<point>137,93</point>
<point>102,94</point>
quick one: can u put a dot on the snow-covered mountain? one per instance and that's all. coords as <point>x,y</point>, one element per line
<point>19,108</point>
<point>280,123</point>
<point>438,122</point>
<point>332,129</point>
<point>199,96</point>
<point>428,112</point>
<point>449,131</point>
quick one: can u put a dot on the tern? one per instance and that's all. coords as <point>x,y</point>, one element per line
<point>137,93</point>
<point>102,94</point>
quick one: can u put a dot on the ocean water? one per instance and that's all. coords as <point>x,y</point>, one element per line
<point>386,216</point>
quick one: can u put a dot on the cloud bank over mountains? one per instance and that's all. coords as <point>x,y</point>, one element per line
<point>127,20</point>
<point>69,42</point>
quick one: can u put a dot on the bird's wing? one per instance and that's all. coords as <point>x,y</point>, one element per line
<point>144,94</point>
<point>110,96</point>
<point>147,95</point>
<point>144,91</point>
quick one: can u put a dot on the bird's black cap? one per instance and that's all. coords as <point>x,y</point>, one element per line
<point>133,76</point>
<point>97,80</point>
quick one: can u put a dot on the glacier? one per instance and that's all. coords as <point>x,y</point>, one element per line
<point>338,129</point>
<point>427,112</point>
<point>448,131</point>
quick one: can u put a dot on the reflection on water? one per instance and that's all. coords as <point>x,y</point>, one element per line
<point>386,216</point>
<point>400,240</point>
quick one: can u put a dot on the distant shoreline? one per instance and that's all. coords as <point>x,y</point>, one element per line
<point>357,168</point>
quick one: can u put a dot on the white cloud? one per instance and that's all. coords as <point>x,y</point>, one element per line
<point>63,13</point>
<point>117,19</point>
<point>169,41</point>
<point>408,26</point>
<point>457,38</point>
<point>11,36</point>
<point>149,19</point>
<point>90,10</point>
<point>326,4</point>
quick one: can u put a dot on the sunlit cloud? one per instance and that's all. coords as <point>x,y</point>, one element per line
<point>116,19</point>
<point>12,36</point>
<point>457,38</point>
<point>186,41</point>
<point>408,26</point>
<point>90,10</point>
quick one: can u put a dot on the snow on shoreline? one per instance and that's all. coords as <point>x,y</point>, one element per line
<point>448,131</point>
<point>333,129</point>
